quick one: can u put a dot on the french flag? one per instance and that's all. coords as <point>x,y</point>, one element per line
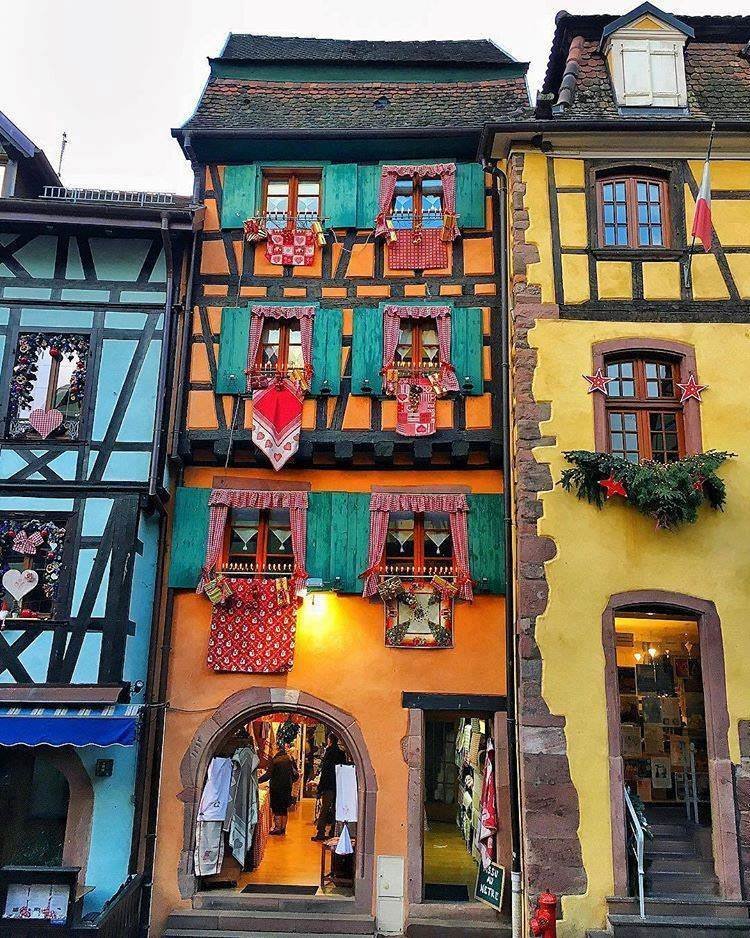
<point>702,227</point>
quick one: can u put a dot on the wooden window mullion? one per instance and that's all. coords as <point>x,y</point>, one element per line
<point>417,197</point>
<point>262,551</point>
<point>291,221</point>
<point>419,542</point>
<point>283,347</point>
<point>54,373</point>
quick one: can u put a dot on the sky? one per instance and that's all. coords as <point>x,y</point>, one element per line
<point>117,75</point>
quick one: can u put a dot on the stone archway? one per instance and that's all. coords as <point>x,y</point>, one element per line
<point>724,822</point>
<point>247,705</point>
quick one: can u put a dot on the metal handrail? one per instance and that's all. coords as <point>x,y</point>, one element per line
<point>65,194</point>
<point>637,829</point>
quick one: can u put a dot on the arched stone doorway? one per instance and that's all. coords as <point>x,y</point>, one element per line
<point>247,705</point>
<point>725,845</point>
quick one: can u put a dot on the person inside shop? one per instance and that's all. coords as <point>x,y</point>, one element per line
<point>281,775</point>
<point>332,757</point>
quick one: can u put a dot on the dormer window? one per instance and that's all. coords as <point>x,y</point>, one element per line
<point>645,52</point>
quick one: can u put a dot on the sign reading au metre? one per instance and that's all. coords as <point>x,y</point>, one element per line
<point>490,885</point>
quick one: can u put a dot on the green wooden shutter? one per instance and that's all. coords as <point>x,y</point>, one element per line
<point>189,537</point>
<point>233,343</point>
<point>367,349</point>
<point>487,541</point>
<point>340,195</point>
<point>319,535</point>
<point>466,346</point>
<point>470,195</point>
<point>240,195</point>
<point>368,187</point>
<point>350,538</point>
<point>326,350</point>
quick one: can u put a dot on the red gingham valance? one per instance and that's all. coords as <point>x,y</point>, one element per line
<point>456,506</point>
<point>221,500</point>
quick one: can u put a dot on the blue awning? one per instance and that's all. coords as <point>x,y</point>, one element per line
<point>69,726</point>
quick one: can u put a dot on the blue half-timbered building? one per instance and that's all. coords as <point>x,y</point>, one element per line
<point>90,287</point>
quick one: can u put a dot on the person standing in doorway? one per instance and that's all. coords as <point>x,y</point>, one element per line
<point>281,775</point>
<point>332,757</point>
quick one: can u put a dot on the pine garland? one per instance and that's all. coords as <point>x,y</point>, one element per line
<point>671,492</point>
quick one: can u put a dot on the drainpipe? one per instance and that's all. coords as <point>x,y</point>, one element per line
<point>500,239</point>
<point>166,342</point>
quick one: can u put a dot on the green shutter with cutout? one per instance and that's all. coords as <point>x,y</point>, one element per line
<point>326,350</point>
<point>233,344</point>
<point>189,537</point>
<point>350,538</point>
<point>319,535</point>
<point>240,195</point>
<point>368,189</point>
<point>487,542</point>
<point>470,195</point>
<point>367,350</point>
<point>340,195</point>
<point>467,340</point>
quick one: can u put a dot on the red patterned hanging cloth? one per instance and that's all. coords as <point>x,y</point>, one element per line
<point>293,247</point>
<point>415,406</point>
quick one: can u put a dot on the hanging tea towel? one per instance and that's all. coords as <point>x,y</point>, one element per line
<point>344,846</point>
<point>346,793</point>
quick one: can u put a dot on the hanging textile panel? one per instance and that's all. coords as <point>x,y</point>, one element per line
<point>291,247</point>
<point>420,619</point>
<point>277,420</point>
<point>415,407</point>
<point>254,631</point>
<point>418,249</point>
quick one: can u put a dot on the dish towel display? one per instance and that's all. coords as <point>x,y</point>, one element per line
<point>347,804</point>
<point>253,631</point>
<point>487,828</point>
<point>420,249</point>
<point>291,247</point>
<point>415,406</point>
<point>277,420</point>
<point>212,812</point>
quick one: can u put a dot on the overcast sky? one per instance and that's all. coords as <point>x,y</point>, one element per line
<point>117,75</point>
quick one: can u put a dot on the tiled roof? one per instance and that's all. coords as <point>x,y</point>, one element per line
<point>294,49</point>
<point>263,105</point>
<point>716,70</point>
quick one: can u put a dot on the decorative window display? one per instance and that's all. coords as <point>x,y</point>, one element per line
<point>290,221</point>
<point>417,215</point>
<point>47,386</point>
<point>279,369</point>
<point>423,537</point>
<point>31,561</point>
<point>254,569</point>
<point>420,616</point>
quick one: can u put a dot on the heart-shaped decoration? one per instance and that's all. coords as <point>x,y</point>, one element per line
<point>20,582</point>
<point>45,421</point>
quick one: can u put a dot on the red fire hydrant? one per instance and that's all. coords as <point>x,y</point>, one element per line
<point>544,922</point>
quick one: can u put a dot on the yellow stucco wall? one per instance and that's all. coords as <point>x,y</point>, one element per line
<point>616,550</point>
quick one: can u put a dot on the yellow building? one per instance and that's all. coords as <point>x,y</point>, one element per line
<point>634,689</point>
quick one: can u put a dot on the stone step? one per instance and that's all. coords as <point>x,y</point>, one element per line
<point>458,911</point>
<point>656,863</point>
<point>673,829</point>
<point>705,906</point>
<point>677,883</point>
<point>677,926</point>
<point>663,845</point>
<point>199,933</point>
<point>598,933</point>
<point>243,921</point>
<point>269,902</point>
<point>451,928</point>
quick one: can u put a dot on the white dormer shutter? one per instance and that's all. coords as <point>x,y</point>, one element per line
<point>665,83</point>
<point>636,74</point>
<point>647,67</point>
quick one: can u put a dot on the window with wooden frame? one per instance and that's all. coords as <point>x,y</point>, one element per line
<point>643,411</point>
<point>418,203</point>
<point>280,349</point>
<point>259,541</point>
<point>291,199</point>
<point>33,544</point>
<point>418,543</point>
<point>633,211</point>
<point>418,348</point>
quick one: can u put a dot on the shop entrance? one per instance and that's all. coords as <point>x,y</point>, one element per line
<point>278,810</point>
<point>455,750</point>
<point>662,715</point>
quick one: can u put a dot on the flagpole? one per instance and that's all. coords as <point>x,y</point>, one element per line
<point>689,266</point>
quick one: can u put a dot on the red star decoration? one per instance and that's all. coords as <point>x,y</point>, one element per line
<point>698,484</point>
<point>598,381</point>
<point>613,486</point>
<point>691,388</point>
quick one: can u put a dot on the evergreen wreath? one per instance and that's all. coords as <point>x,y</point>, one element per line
<point>670,492</point>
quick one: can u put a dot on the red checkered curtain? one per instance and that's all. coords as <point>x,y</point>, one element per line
<point>221,500</point>
<point>455,506</point>
<point>447,174</point>
<point>442,316</point>
<point>258,316</point>
<point>385,198</point>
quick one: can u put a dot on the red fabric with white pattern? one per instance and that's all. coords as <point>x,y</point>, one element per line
<point>277,420</point>
<point>254,630</point>
<point>24,543</point>
<point>258,316</point>
<point>389,174</point>
<point>394,314</point>
<point>415,407</point>
<point>418,249</point>
<point>457,508</point>
<point>221,500</point>
<point>291,247</point>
